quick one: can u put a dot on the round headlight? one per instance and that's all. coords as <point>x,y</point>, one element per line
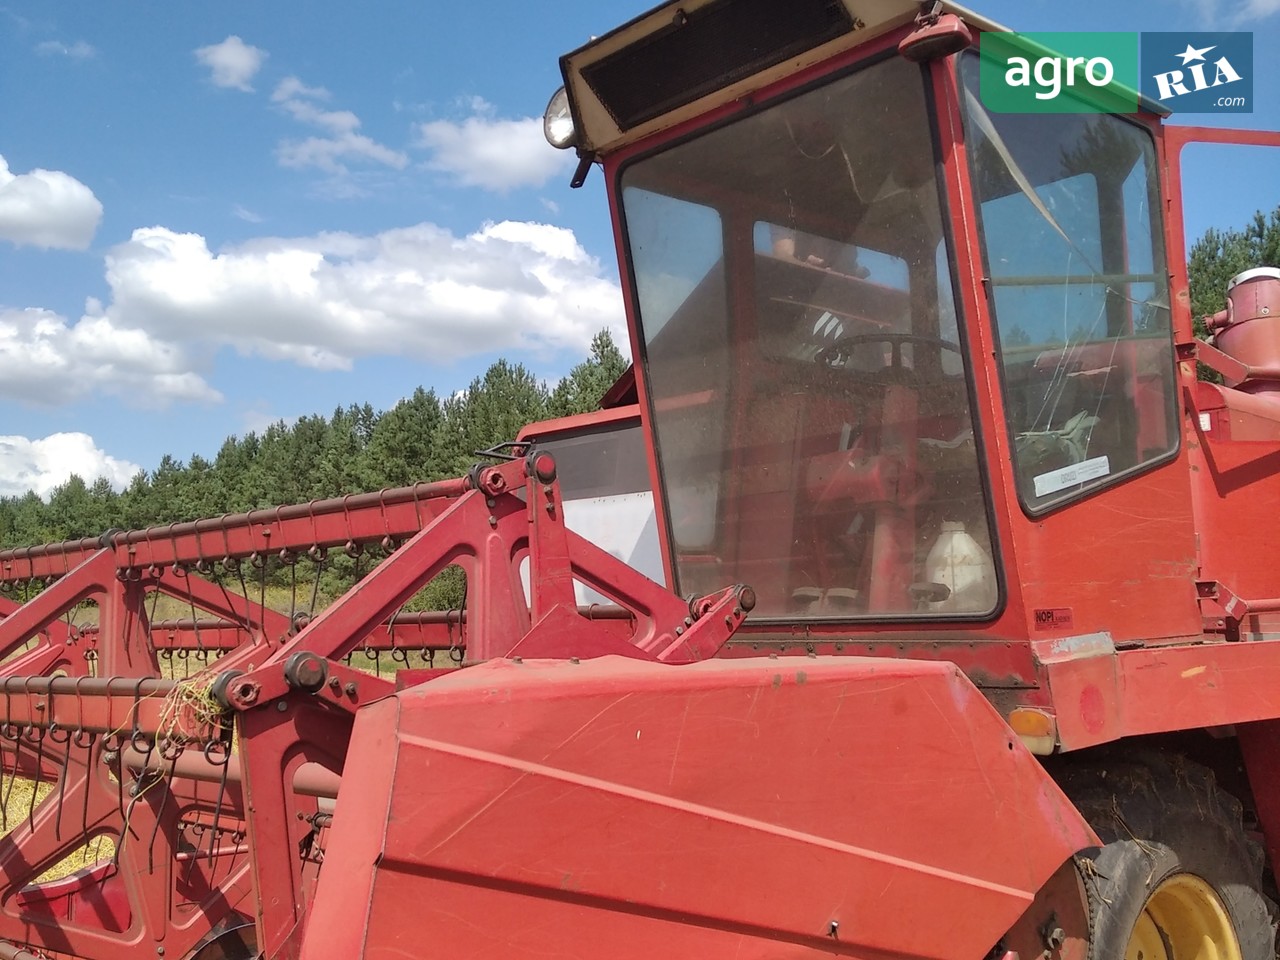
<point>557,124</point>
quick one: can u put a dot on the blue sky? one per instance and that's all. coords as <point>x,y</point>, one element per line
<point>214,216</point>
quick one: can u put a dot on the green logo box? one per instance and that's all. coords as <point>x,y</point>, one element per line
<point>1059,72</point>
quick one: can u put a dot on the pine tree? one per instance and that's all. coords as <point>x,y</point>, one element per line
<point>402,445</point>
<point>581,390</point>
<point>1219,255</point>
<point>491,410</point>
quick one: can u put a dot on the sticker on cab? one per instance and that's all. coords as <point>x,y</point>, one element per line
<point>1070,476</point>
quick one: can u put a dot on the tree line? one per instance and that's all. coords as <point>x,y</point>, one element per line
<point>422,438</point>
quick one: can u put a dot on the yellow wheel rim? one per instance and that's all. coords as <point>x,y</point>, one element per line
<point>1183,919</point>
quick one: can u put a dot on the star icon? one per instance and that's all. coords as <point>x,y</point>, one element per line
<point>1191,53</point>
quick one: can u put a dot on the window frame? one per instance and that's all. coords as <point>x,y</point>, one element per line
<point>949,260</point>
<point>1160,267</point>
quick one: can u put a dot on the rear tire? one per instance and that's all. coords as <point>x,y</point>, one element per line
<point>1177,879</point>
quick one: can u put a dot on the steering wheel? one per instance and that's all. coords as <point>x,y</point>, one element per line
<point>842,349</point>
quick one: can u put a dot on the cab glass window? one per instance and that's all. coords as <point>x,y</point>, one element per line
<point>806,375</point>
<point>1071,234</point>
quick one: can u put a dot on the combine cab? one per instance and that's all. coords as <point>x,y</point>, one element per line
<point>960,646</point>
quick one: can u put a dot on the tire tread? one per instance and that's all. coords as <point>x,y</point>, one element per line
<point>1159,814</point>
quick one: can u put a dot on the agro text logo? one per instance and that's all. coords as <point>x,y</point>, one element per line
<point>1059,72</point>
<point>1199,72</point>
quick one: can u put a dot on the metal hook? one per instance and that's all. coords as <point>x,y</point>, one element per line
<point>141,742</point>
<point>217,753</point>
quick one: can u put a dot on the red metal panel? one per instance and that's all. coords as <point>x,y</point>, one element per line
<point>1156,690</point>
<point>1092,556</point>
<point>1233,479</point>
<point>549,429</point>
<point>632,809</point>
<point>1260,745</point>
<point>369,777</point>
<point>1079,557</point>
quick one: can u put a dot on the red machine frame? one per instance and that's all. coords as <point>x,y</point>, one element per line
<point>1100,643</point>
<point>126,720</point>
<point>549,795</point>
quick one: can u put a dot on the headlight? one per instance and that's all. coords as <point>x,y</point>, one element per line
<point>557,124</point>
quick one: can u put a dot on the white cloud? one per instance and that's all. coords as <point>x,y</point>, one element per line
<point>244,213</point>
<point>491,153</point>
<point>321,302</point>
<point>1206,9</point>
<point>335,121</point>
<point>233,63</point>
<point>1258,9</point>
<point>328,300</point>
<point>258,418</point>
<point>291,87</point>
<point>75,51</point>
<point>327,153</point>
<point>41,465</point>
<point>47,208</point>
<point>1215,14</point>
<point>342,142</point>
<point>46,359</point>
<point>343,185</point>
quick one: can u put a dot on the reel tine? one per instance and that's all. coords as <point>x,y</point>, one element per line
<point>248,604</point>
<point>262,595</point>
<point>211,755</point>
<point>88,742</point>
<point>166,785</point>
<point>195,616</point>
<point>319,556</point>
<point>64,745</point>
<point>6,787</point>
<point>137,740</point>
<point>293,589</point>
<point>35,735</point>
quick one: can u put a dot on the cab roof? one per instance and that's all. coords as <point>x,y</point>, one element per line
<point>688,56</point>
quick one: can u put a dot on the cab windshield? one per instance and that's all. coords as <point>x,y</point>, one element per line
<point>806,379</point>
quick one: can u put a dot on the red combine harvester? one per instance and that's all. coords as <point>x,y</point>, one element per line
<point>915,388</point>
